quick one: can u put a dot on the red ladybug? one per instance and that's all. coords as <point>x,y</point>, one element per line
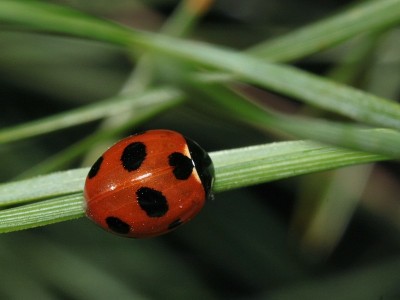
<point>148,184</point>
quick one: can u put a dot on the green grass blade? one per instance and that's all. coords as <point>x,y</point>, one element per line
<point>364,17</point>
<point>383,141</point>
<point>42,213</point>
<point>63,158</point>
<point>184,18</point>
<point>106,108</point>
<point>54,18</point>
<point>256,164</point>
<point>368,16</point>
<point>234,169</point>
<point>42,187</point>
<point>311,89</point>
<point>287,80</point>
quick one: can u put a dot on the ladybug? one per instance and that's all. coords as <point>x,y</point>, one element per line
<point>148,184</point>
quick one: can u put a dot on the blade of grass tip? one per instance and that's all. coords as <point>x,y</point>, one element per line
<point>185,17</point>
<point>42,213</point>
<point>364,17</point>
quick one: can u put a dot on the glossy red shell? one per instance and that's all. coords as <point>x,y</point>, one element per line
<point>132,190</point>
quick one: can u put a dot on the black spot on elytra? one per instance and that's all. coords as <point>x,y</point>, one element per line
<point>133,156</point>
<point>153,202</point>
<point>95,168</point>
<point>117,225</point>
<point>183,165</point>
<point>203,165</point>
<point>174,224</point>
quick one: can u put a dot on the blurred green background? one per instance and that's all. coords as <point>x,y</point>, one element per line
<point>332,235</point>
